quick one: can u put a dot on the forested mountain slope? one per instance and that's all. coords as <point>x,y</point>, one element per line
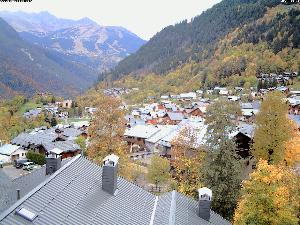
<point>26,68</point>
<point>83,41</point>
<point>195,40</point>
<point>268,44</point>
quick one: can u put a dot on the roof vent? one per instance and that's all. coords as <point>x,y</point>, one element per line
<point>205,198</point>
<point>110,173</point>
<point>26,214</point>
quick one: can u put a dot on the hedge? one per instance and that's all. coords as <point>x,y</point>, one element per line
<point>36,158</point>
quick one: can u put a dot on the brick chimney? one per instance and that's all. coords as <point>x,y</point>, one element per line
<point>110,174</point>
<point>205,198</point>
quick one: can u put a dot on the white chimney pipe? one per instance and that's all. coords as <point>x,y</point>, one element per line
<point>205,198</point>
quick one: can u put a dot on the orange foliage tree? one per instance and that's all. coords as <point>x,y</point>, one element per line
<point>292,148</point>
<point>270,196</point>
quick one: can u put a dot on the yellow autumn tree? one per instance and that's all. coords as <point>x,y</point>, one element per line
<point>292,148</point>
<point>187,159</point>
<point>273,129</point>
<point>269,197</point>
<point>107,130</point>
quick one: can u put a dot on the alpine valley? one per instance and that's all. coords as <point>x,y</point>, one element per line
<point>63,56</point>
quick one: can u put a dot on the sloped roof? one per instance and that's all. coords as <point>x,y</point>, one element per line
<point>249,112</point>
<point>25,183</point>
<point>295,118</point>
<point>141,131</point>
<point>182,210</point>
<point>47,139</point>
<point>65,146</point>
<point>8,149</point>
<point>164,131</point>
<point>72,132</point>
<point>175,116</point>
<point>7,193</point>
<point>246,129</point>
<point>73,195</point>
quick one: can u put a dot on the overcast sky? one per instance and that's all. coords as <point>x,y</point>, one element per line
<point>143,17</point>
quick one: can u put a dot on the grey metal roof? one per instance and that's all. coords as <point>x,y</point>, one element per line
<point>187,213</point>
<point>8,149</point>
<point>174,208</point>
<point>177,116</point>
<point>73,195</point>
<point>246,129</point>
<point>6,190</point>
<point>65,146</point>
<point>72,132</point>
<point>47,139</point>
<point>25,183</point>
<point>295,118</point>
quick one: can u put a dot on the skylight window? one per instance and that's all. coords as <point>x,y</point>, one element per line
<point>26,214</point>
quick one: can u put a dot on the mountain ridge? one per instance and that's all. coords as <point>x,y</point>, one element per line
<point>196,40</point>
<point>27,68</point>
<point>268,44</point>
<point>83,40</point>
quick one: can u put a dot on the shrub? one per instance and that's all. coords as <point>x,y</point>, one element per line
<point>36,158</point>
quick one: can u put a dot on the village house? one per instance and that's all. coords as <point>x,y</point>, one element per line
<point>165,144</point>
<point>296,93</point>
<point>131,121</point>
<point>221,91</point>
<point>249,110</point>
<point>43,141</point>
<point>294,105</point>
<point>152,143</point>
<point>188,96</point>
<point>52,110</point>
<point>243,138</point>
<point>90,110</point>
<point>173,118</point>
<point>164,97</point>
<point>233,98</point>
<point>136,136</point>
<point>9,153</point>
<point>65,104</point>
<point>194,112</point>
<point>284,90</point>
<point>170,107</point>
<point>33,113</point>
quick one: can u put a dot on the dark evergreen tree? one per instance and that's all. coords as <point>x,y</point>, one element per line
<point>259,85</point>
<point>53,122</point>
<point>274,83</point>
<point>221,169</point>
<point>53,100</point>
<point>266,83</point>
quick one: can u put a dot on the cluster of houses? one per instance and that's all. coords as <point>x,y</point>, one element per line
<point>57,109</point>
<point>59,140</point>
<point>154,127</point>
<point>116,92</point>
<point>279,78</point>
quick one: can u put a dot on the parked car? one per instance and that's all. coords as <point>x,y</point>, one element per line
<point>28,166</point>
<point>19,163</point>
